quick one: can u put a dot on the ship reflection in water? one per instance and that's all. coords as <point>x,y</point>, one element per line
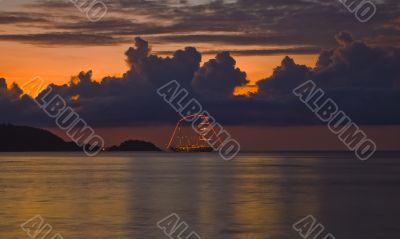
<point>192,134</point>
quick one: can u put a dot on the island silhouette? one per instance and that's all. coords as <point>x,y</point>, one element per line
<point>15,138</point>
<point>134,145</point>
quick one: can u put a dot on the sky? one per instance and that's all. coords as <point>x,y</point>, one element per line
<point>61,32</point>
<point>108,70</point>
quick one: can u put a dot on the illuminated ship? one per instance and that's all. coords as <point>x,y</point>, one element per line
<point>186,139</point>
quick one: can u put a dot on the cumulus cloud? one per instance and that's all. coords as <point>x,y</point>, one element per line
<point>139,52</point>
<point>354,64</point>
<point>351,65</point>
<point>12,94</point>
<point>284,78</point>
<point>158,70</point>
<point>219,77</point>
<point>364,81</point>
<point>18,108</point>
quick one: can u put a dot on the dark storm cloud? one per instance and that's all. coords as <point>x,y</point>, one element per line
<point>13,93</point>
<point>352,65</point>
<point>155,70</point>
<point>242,22</point>
<point>219,77</point>
<point>284,78</point>
<point>363,80</point>
<point>18,108</point>
<point>356,65</point>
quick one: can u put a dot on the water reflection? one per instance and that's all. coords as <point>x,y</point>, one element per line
<point>256,196</point>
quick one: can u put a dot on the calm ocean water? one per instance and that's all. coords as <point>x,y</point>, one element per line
<point>256,196</point>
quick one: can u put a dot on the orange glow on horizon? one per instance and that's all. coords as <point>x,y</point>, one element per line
<point>22,62</point>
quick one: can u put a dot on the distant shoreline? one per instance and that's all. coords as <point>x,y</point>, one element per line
<point>29,139</point>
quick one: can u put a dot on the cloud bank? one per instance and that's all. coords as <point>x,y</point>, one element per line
<point>248,26</point>
<point>363,80</point>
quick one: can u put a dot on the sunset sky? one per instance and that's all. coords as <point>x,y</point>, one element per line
<point>54,39</point>
<point>357,62</point>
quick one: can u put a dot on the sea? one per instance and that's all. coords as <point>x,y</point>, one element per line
<point>254,196</point>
